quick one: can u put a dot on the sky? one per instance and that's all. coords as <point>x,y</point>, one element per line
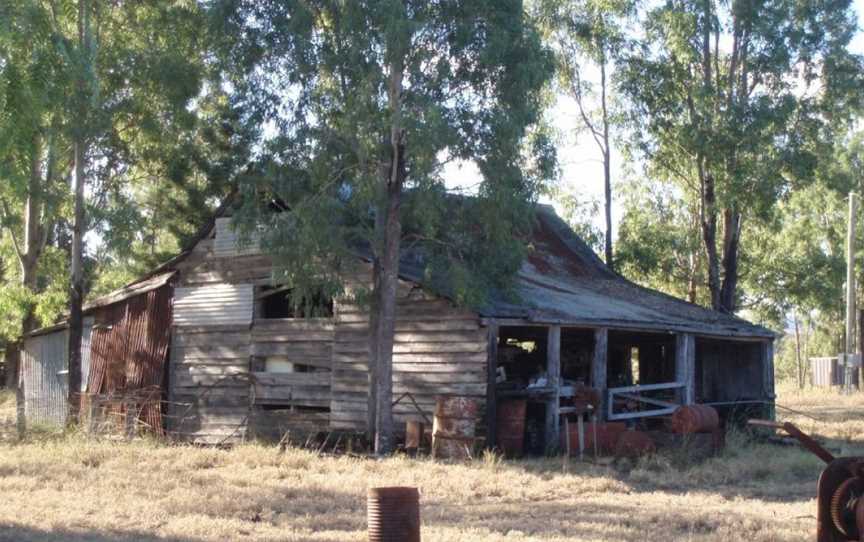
<point>579,157</point>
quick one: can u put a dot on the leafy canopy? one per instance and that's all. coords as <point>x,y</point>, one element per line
<point>314,77</point>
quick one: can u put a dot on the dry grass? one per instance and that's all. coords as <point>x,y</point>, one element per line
<point>72,488</point>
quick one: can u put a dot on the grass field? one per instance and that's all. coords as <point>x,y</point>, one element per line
<point>72,488</point>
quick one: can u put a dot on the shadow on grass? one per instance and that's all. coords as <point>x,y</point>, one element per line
<point>23,533</point>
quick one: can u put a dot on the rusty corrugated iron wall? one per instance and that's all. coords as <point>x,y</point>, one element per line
<point>129,347</point>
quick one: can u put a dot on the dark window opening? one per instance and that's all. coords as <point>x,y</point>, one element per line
<point>284,302</point>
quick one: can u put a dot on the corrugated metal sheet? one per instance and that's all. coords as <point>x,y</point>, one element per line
<point>227,242</point>
<point>216,304</point>
<point>563,281</point>
<point>827,372</point>
<point>46,384</point>
<point>129,349</point>
<point>86,333</point>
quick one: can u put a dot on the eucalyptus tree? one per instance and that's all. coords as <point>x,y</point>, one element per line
<point>730,102</point>
<point>589,36</point>
<point>138,69</point>
<point>364,102</point>
<point>97,95</point>
<point>33,147</point>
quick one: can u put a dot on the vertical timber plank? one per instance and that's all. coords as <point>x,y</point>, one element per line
<point>685,366</point>
<point>598,368</point>
<point>767,351</point>
<point>491,375</point>
<point>553,374</point>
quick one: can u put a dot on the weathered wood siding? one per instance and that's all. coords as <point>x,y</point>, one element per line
<point>46,379</point>
<point>220,371</point>
<point>209,383</point>
<point>438,349</point>
<point>219,382</point>
<point>306,344</point>
<point>227,243</point>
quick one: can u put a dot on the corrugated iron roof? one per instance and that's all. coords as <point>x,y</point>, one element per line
<point>564,281</point>
<point>128,291</point>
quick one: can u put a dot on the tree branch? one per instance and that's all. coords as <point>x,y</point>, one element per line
<point>15,243</point>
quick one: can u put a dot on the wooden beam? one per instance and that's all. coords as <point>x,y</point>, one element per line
<point>685,366</point>
<point>553,374</point>
<point>491,375</point>
<point>599,366</point>
<point>767,356</point>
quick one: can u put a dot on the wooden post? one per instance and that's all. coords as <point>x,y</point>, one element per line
<point>768,375</point>
<point>553,375</point>
<point>599,366</point>
<point>685,366</point>
<point>491,375</point>
<point>850,291</point>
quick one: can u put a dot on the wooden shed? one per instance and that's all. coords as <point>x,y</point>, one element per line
<point>244,364</point>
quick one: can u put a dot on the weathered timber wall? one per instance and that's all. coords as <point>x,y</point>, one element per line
<point>209,383</point>
<point>438,350</point>
<point>219,372</point>
<point>307,345</point>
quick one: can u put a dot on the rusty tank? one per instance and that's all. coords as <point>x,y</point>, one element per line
<point>690,419</point>
<point>510,427</point>
<point>393,514</point>
<point>454,427</point>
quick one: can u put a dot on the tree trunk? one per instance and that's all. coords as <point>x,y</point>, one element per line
<point>389,264</point>
<point>374,330</point>
<point>691,279</point>
<point>386,317</point>
<point>731,237</point>
<point>76,291</point>
<point>607,166</point>
<point>799,362</point>
<point>709,238</point>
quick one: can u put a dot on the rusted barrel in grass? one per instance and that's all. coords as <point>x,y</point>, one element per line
<point>454,426</point>
<point>633,444</point>
<point>510,426</point>
<point>689,419</point>
<point>393,514</point>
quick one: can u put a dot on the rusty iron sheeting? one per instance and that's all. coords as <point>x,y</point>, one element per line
<point>128,353</point>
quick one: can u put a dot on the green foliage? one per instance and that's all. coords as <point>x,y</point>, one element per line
<point>735,104</point>
<point>164,144</point>
<point>579,211</point>
<point>319,74</point>
<point>658,240</point>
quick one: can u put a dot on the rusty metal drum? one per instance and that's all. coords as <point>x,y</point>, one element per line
<point>393,514</point>
<point>454,427</point>
<point>510,426</point>
<point>690,419</point>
